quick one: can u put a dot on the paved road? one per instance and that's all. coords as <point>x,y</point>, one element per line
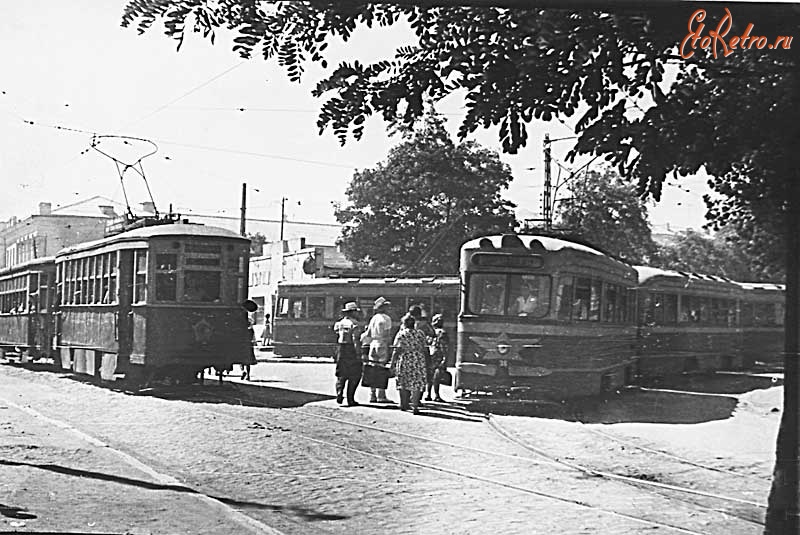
<point>277,454</point>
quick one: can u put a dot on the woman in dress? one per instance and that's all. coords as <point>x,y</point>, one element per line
<point>408,363</point>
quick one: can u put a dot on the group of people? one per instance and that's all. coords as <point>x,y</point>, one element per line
<point>416,357</point>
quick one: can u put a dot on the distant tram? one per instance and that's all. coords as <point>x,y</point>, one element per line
<point>306,310</point>
<point>688,322</point>
<point>27,297</point>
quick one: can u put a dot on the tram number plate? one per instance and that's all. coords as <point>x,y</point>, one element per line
<point>504,364</point>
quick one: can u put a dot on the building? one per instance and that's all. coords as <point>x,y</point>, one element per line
<point>45,233</point>
<point>290,260</point>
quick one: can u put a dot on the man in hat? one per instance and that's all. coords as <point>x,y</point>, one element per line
<point>380,331</point>
<point>348,363</point>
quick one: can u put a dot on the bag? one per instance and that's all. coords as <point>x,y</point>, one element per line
<point>375,376</point>
<point>366,339</point>
<point>445,378</point>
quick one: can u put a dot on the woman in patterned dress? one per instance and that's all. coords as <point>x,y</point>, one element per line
<point>408,363</point>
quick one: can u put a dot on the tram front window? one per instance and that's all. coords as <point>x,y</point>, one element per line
<point>509,295</point>
<point>202,286</point>
<point>487,293</point>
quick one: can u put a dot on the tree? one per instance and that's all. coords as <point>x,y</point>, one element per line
<point>413,211</point>
<point>727,253</point>
<point>257,242</point>
<point>606,211</point>
<point>653,103</point>
<point>698,253</point>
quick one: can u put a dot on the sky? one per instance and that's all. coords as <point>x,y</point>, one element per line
<point>72,71</point>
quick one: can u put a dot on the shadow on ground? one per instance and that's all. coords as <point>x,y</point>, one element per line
<point>210,391</point>
<point>686,399</point>
<point>302,512</point>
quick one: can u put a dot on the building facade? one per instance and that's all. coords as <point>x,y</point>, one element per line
<point>49,231</point>
<point>289,260</point>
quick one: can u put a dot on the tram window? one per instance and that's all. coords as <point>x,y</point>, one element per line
<point>447,307</point>
<point>690,312</point>
<point>486,293</point>
<point>202,286</point>
<point>765,314</point>
<point>166,286</point>
<point>166,277</point>
<point>594,300</point>
<point>670,308</point>
<point>530,295</point>
<point>779,314</point>
<point>316,307</point>
<point>583,298</point>
<point>140,276</point>
<point>564,297</point>
<point>291,307</point>
<point>611,303</point>
<point>166,262</point>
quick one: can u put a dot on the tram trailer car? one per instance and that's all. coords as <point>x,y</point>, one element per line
<point>157,301</point>
<point>26,309</point>
<point>306,310</point>
<point>544,315</point>
<point>761,316</point>
<point>688,322</point>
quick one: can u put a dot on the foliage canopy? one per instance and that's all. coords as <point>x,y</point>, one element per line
<point>413,211</point>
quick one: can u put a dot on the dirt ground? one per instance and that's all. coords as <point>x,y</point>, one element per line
<point>282,457</point>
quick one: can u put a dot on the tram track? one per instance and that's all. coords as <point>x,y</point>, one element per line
<point>543,459</point>
<point>674,492</point>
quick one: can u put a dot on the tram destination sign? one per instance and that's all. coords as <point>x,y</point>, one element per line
<point>507,260</point>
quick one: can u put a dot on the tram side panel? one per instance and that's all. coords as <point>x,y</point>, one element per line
<point>761,313</point>
<point>687,323</point>
<point>93,290</point>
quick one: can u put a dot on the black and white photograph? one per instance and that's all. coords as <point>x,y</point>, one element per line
<point>455,267</point>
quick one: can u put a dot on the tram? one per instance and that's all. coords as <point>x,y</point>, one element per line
<point>307,309</point>
<point>153,302</point>
<point>761,315</point>
<point>26,309</point>
<point>545,317</point>
<point>688,322</point>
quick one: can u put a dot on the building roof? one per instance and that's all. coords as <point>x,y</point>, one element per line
<point>89,207</point>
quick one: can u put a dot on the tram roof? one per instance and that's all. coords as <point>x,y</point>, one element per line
<point>144,233</point>
<point>371,281</point>
<point>762,286</point>
<point>549,243</point>
<point>27,265</point>
<point>647,272</point>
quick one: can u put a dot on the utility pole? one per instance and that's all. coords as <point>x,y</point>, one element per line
<point>242,217</point>
<point>547,206</point>
<point>283,214</point>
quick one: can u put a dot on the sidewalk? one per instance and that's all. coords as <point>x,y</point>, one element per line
<point>53,478</point>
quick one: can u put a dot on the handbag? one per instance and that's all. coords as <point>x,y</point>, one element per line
<point>375,376</point>
<point>445,378</point>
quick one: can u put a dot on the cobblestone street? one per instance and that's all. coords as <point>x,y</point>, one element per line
<point>278,455</point>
